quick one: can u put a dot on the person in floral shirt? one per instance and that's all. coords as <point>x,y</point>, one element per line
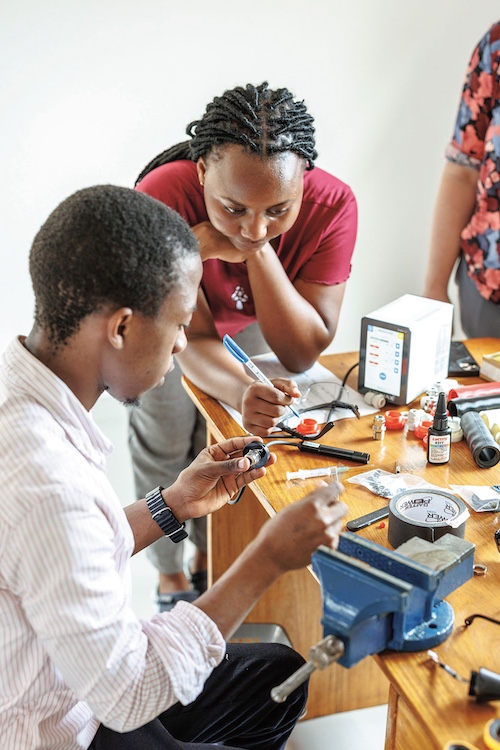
<point>466,220</point>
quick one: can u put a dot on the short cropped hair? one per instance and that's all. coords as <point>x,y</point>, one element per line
<point>106,245</point>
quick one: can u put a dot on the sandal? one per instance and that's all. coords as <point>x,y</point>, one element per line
<point>199,581</point>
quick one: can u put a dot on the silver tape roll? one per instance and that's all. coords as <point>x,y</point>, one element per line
<point>427,514</point>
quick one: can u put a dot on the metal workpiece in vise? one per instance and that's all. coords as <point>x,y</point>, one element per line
<point>376,599</point>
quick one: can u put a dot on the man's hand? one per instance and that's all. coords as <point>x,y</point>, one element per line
<point>288,540</point>
<point>284,543</point>
<point>263,407</point>
<point>213,478</point>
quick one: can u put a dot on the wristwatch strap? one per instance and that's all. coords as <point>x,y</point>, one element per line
<point>164,517</point>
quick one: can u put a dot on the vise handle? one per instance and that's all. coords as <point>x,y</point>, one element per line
<point>328,650</point>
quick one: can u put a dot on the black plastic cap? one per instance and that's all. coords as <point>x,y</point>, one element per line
<point>485,685</point>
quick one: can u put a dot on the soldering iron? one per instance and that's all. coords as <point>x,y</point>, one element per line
<point>328,450</point>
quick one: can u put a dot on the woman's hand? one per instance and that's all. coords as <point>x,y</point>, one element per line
<point>213,478</point>
<point>263,407</point>
<point>213,244</point>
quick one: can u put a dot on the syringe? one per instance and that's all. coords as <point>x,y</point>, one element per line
<point>325,471</point>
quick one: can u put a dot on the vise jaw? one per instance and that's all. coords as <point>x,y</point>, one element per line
<point>375,598</point>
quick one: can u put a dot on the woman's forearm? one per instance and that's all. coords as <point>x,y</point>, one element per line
<point>292,325</point>
<point>206,362</point>
<point>454,206</point>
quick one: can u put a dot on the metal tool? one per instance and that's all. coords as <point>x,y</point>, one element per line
<point>484,684</point>
<point>328,450</point>
<point>285,432</point>
<point>306,445</point>
<point>449,670</point>
<point>325,652</point>
<point>375,598</point>
<point>362,521</point>
<point>321,449</point>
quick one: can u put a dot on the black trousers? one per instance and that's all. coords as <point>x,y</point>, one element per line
<point>234,710</point>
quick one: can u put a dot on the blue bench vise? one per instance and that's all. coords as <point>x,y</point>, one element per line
<point>375,598</point>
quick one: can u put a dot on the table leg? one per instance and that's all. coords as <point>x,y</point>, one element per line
<point>392,710</point>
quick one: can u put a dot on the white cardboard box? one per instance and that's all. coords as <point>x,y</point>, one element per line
<point>405,347</point>
<point>490,367</point>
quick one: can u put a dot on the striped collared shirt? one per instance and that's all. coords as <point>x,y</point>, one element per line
<point>72,652</point>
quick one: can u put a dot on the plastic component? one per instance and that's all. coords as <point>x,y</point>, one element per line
<point>394,420</point>
<point>474,391</point>
<point>421,429</point>
<point>459,406</point>
<point>307,426</point>
<point>377,400</point>
<point>257,453</point>
<point>485,450</point>
<point>457,433</point>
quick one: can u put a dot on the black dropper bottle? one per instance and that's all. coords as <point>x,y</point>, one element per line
<point>439,435</point>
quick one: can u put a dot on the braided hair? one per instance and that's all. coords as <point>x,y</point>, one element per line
<point>263,121</point>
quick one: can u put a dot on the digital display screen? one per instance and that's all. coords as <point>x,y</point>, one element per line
<point>384,360</point>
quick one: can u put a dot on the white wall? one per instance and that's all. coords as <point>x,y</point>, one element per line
<point>92,89</point>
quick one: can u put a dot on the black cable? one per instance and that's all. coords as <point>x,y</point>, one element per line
<point>469,620</point>
<point>238,496</point>
<point>353,367</point>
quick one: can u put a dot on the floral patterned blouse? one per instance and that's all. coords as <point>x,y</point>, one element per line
<point>476,144</point>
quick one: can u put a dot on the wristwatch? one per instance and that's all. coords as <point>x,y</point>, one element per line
<point>161,513</point>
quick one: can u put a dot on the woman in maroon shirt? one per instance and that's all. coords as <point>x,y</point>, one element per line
<point>276,236</point>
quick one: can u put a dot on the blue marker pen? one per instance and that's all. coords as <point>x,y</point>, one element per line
<point>240,355</point>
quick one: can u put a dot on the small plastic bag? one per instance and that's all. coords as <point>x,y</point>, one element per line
<point>480,497</point>
<point>387,484</point>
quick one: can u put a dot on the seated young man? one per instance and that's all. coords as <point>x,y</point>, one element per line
<point>115,275</point>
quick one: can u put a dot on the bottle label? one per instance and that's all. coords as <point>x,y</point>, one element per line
<point>439,448</point>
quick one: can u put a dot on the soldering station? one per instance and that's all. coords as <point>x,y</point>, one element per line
<point>375,598</point>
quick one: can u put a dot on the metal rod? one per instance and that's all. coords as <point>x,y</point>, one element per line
<point>325,652</point>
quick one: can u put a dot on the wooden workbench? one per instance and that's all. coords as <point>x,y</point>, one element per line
<point>426,706</point>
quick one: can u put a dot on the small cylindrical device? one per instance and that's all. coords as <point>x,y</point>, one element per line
<point>257,453</point>
<point>413,419</point>
<point>375,399</point>
<point>429,399</point>
<point>324,471</point>
<point>456,429</point>
<point>378,427</point>
<point>439,434</point>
